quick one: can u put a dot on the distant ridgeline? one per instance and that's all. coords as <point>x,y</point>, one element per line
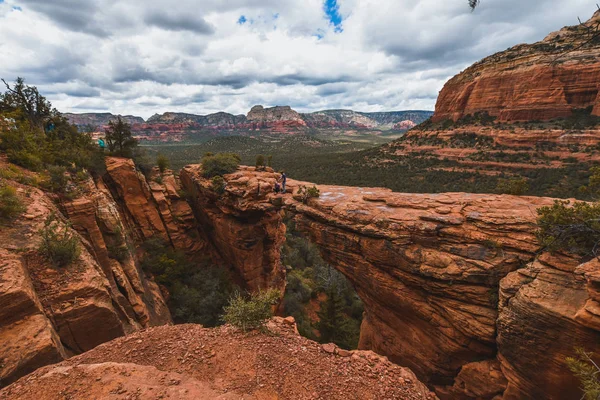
<point>172,126</point>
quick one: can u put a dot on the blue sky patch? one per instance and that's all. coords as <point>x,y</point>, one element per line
<point>16,8</point>
<point>332,10</point>
<point>242,20</point>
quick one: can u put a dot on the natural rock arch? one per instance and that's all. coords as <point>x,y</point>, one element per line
<point>448,280</point>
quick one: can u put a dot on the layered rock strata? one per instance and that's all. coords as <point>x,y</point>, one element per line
<point>50,313</point>
<point>539,81</point>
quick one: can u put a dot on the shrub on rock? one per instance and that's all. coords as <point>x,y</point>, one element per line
<point>250,312</point>
<point>10,204</point>
<point>59,243</point>
<point>220,164</point>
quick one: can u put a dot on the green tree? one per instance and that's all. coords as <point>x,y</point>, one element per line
<point>59,243</point>
<point>24,102</point>
<point>334,325</point>
<point>163,163</point>
<point>574,228</point>
<point>252,311</point>
<point>260,161</point>
<point>119,139</point>
<point>34,134</point>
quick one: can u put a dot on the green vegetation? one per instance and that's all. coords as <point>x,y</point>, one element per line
<point>119,140</point>
<point>59,243</point>
<point>10,204</point>
<point>198,291</point>
<point>220,164</point>
<point>248,312</point>
<point>163,163</point>
<point>34,135</point>
<point>358,164</point>
<point>334,326</point>
<point>217,184</point>
<point>514,186</point>
<point>57,178</point>
<point>12,172</point>
<point>321,299</point>
<point>304,193</point>
<point>260,161</point>
<point>575,228</point>
<point>587,371</point>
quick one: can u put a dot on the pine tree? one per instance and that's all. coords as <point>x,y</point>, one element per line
<point>334,325</point>
<point>119,138</point>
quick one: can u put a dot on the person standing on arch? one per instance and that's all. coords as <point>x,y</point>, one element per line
<point>282,180</point>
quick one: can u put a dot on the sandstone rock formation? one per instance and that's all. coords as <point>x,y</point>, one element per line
<point>274,114</point>
<point>190,362</point>
<point>245,230</point>
<point>541,81</point>
<point>442,278</point>
<point>51,313</point>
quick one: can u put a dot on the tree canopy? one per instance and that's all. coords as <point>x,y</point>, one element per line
<point>119,138</point>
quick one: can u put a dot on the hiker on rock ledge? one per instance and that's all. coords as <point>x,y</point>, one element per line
<point>282,179</point>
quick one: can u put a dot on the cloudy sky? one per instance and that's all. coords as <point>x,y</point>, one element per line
<point>200,56</point>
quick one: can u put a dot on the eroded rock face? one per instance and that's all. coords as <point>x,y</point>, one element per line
<point>50,313</point>
<point>441,277</point>
<point>540,81</point>
<point>244,228</point>
<point>544,315</point>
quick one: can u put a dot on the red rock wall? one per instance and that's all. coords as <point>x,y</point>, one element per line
<point>541,81</point>
<point>51,313</point>
<point>540,92</point>
<point>245,230</point>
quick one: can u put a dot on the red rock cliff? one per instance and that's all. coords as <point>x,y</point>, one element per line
<point>540,81</point>
<point>50,313</point>
<point>443,279</point>
<point>245,229</point>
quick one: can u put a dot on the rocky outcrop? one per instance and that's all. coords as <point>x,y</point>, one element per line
<point>274,114</point>
<point>190,362</point>
<point>155,209</point>
<point>50,313</point>
<point>244,229</point>
<point>541,81</point>
<point>442,278</point>
<point>541,312</point>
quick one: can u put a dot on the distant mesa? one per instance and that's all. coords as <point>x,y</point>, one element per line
<point>176,126</point>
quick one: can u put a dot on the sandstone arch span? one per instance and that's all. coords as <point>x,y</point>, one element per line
<point>449,281</point>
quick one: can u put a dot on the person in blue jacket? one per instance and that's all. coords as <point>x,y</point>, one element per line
<point>282,179</point>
